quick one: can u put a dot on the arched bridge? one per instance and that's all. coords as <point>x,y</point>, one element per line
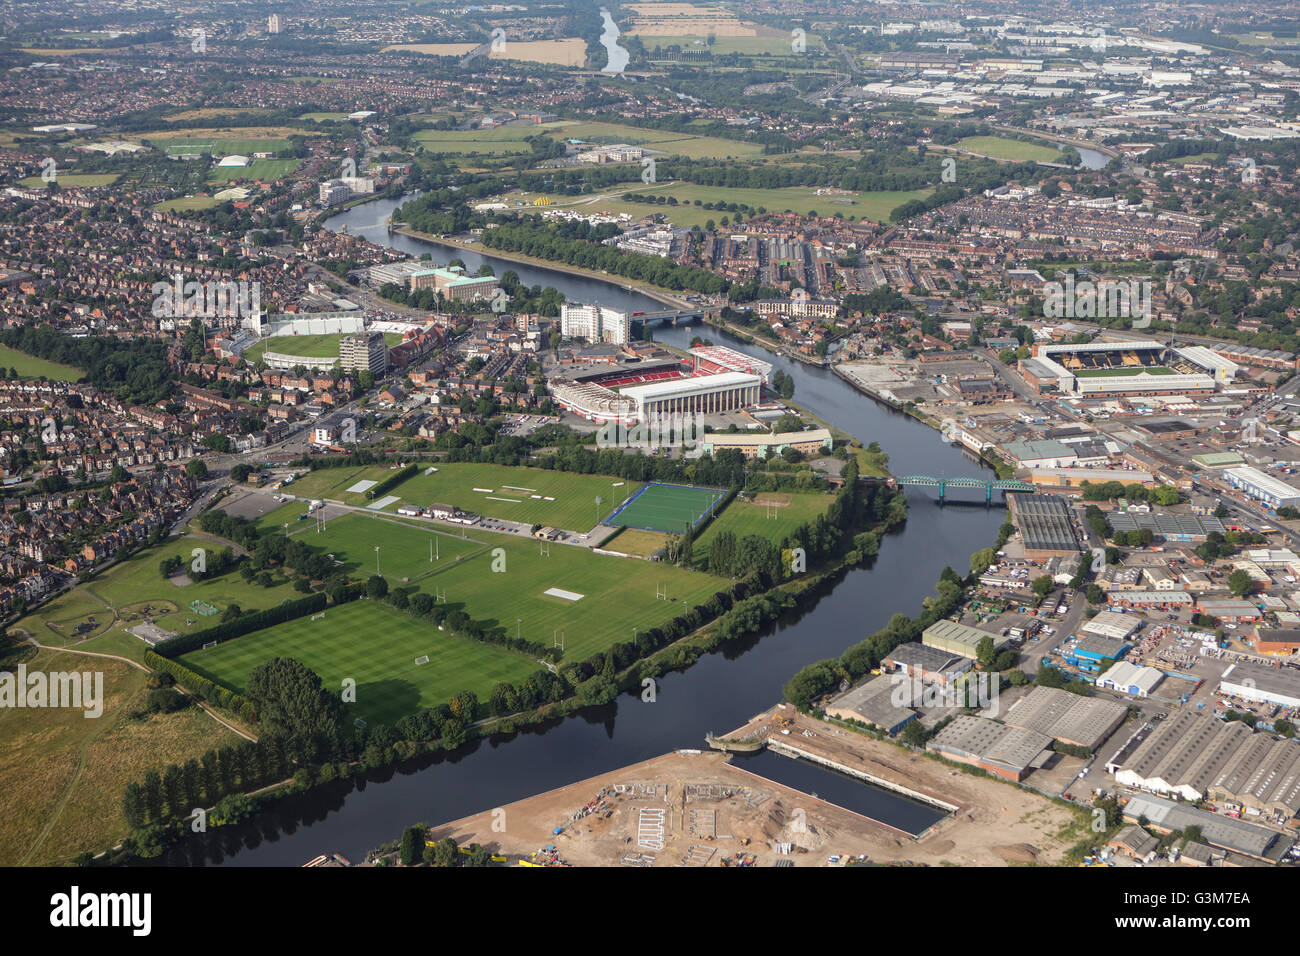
<point>943,484</point>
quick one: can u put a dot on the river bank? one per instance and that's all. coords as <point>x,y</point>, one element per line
<point>662,296</point>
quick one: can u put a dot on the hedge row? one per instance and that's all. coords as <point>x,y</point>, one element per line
<point>393,480</point>
<point>208,690</point>
<point>184,643</point>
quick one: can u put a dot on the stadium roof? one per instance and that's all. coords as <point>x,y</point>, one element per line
<point>1101,347</point>
<point>688,386</point>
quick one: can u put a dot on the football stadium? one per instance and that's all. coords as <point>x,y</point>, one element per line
<point>716,380</point>
<point>1110,369</point>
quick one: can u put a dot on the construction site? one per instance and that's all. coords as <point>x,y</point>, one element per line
<point>703,808</point>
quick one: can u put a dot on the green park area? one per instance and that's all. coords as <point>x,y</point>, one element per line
<point>1013,150</point>
<point>29,366</point>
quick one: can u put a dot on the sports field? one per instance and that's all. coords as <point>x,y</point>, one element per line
<point>375,646</point>
<point>661,507</point>
<point>771,514</point>
<point>407,551</point>
<point>499,491</point>
<point>308,346</point>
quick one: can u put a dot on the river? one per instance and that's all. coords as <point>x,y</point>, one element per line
<point>718,693</point>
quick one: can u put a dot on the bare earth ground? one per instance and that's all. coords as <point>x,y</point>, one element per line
<point>712,812</point>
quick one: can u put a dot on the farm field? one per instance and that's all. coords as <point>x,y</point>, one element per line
<point>65,774</point>
<point>376,646</point>
<point>324,117</point>
<point>211,112</point>
<point>743,518</point>
<point>120,596</point>
<point>29,366</point>
<point>1000,147</point>
<point>510,495</point>
<point>74,179</point>
<point>669,508</point>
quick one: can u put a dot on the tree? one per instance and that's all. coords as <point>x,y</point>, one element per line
<point>196,469</point>
<point>412,848</point>
<point>1240,582</point>
<point>980,561</point>
<point>289,696</point>
<point>984,652</point>
<point>1043,585</point>
<point>914,734</point>
<point>376,587</point>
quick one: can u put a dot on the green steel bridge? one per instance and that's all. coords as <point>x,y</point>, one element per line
<point>943,484</point>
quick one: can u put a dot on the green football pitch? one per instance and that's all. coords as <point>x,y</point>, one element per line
<point>666,508</point>
<point>559,499</point>
<point>377,647</point>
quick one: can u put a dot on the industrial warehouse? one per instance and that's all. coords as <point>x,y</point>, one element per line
<point>1194,757</point>
<point>1079,721</point>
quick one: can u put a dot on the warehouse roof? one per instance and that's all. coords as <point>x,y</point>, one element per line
<point>1165,525</point>
<point>1113,624</point>
<point>964,636</point>
<point>873,703</point>
<point>1126,675</point>
<point>1085,721</point>
<point>987,741</point>
<point>1225,832</point>
<point>1044,523</point>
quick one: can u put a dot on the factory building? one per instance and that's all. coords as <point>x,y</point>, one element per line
<point>959,638</point>
<point>1006,752</point>
<point>1272,491</point>
<point>1069,718</point>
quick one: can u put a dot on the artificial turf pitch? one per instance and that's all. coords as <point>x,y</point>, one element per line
<point>661,507</point>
